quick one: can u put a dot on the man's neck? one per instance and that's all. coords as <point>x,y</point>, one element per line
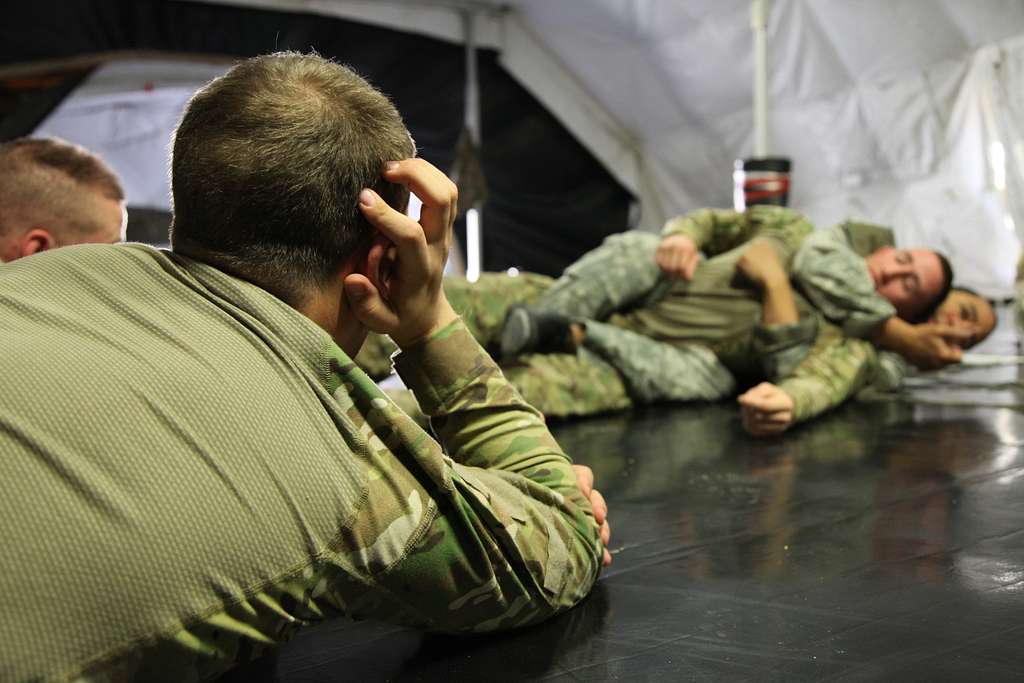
<point>327,307</point>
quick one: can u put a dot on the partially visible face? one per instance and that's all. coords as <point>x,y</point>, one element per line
<point>966,311</point>
<point>910,279</point>
<point>109,218</point>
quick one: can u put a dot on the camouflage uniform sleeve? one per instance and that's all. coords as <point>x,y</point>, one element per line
<point>491,532</point>
<point>837,282</point>
<point>835,368</point>
<point>716,231</point>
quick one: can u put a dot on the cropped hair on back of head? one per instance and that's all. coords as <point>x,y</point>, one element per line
<point>268,163</point>
<point>45,181</point>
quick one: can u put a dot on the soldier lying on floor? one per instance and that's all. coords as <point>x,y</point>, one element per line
<point>690,340</point>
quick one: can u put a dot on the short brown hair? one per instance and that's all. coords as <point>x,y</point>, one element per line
<point>43,181</point>
<point>268,163</point>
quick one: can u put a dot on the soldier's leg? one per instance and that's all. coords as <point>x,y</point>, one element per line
<point>607,279</point>
<point>482,305</point>
<point>655,371</point>
<point>568,385</point>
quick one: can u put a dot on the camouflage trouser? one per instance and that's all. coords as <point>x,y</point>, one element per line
<point>622,274</point>
<point>655,371</point>
<point>482,305</point>
<point>616,275</point>
<point>557,384</point>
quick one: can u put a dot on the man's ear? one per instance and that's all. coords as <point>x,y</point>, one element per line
<point>35,241</point>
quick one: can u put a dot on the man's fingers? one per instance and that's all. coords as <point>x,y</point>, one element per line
<point>437,192</point>
<point>764,403</point>
<point>584,479</point>
<point>423,179</point>
<point>958,336</point>
<point>691,267</point>
<point>368,306</point>
<point>600,507</point>
<point>396,226</point>
<point>782,417</point>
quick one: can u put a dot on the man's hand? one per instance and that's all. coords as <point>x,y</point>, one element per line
<point>585,480</point>
<point>928,346</point>
<point>934,345</point>
<point>766,410</point>
<point>677,256</point>
<point>761,265</point>
<point>408,302</point>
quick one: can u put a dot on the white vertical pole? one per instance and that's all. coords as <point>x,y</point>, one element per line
<point>474,231</point>
<point>759,25</point>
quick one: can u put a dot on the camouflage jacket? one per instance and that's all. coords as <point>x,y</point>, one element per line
<point>192,469</point>
<point>827,266</point>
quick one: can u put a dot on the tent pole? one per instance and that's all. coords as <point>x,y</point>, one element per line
<point>474,228</point>
<point>758,23</point>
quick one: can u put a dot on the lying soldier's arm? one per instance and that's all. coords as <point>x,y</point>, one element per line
<point>716,231</point>
<point>835,368</point>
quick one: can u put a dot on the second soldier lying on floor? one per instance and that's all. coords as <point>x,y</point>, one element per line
<point>735,318</point>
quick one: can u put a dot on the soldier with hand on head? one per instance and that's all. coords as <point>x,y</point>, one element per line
<point>186,431</point>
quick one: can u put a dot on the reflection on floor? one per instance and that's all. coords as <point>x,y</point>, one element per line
<point>883,542</point>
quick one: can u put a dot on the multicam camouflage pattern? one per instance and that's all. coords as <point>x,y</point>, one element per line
<point>489,532</point>
<point>618,275</point>
<point>482,305</point>
<point>836,281</point>
<point>836,368</point>
<point>827,265</point>
<point>716,231</point>
<point>712,325</point>
<point>714,312</point>
<point>569,385</point>
<point>812,359</point>
<point>654,371</point>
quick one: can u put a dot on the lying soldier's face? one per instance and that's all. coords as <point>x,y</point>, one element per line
<point>966,311</point>
<point>910,279</point>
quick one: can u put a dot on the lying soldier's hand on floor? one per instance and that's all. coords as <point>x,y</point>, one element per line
<point>766,410</point>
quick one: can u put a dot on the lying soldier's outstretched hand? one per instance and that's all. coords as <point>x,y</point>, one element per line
<point>585,480</point>
<point>766,410</point>
<point>400,295</point>
<point>677,256</point>
<point>934,345</point>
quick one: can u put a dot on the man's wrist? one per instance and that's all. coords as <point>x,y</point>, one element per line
<point>776,281</point>
<point>444,317</point>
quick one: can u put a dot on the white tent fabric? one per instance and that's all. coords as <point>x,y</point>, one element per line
<point>125,112</point>
<point>895,111</point>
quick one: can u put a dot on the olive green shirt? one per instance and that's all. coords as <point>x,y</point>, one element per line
<point>191,469</point>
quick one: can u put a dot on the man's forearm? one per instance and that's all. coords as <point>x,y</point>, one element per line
<point>510,480</point>
<point>893,335</point>
<point>778,303</point>
<point>835,369</point>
